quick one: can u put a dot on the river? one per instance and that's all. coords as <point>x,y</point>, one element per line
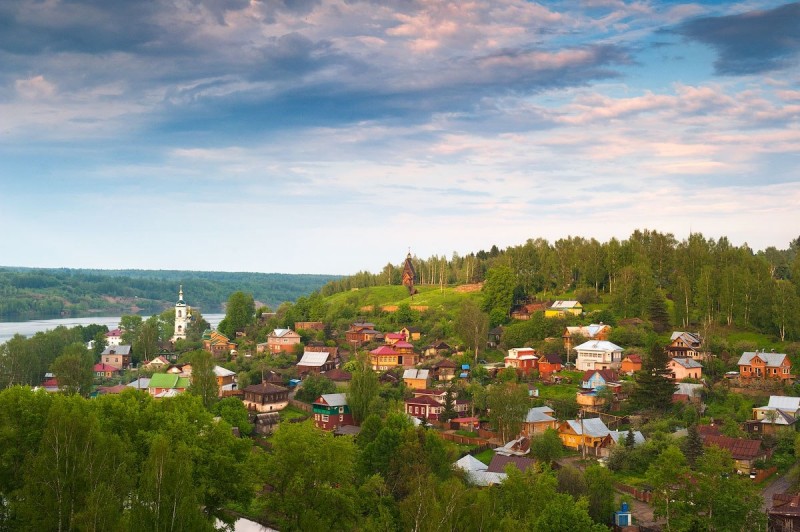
<point>28,328</point>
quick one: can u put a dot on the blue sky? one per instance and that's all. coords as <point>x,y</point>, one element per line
<point>316,136</point>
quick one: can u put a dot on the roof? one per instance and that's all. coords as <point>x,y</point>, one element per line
<point>384,350</point>
<point>404,344</point>
<point>395,336</point>
<point>470,463</point>
<point>314,359</point>
<point>603,346</point>
<point>690,338</point>
<point>337,374</point>
<point>499,462</point>
<point>539,414</point>
<point>516,447</point>
<point>416,374</point>
<point>636,359</point>
<point>168,380</point>
<point>589,331</point>
<point>114,333</point>
<point>563,305</point>
<point>551,358</point>
<point>423,400</point>
<point>445,363</point>
<point>104,368</point>
<point>279,333</point>
<point>608,375</point>
<point>219,371</point>
<point>592,427</point>
<point>616,435</point>
<point>688,389</point>
<point>141,382</point>
<point>264,388</point>
<point>688,363</point>
<point>772,359</point>
<point>119,388</point>
<point>332,399</point>
<point>739,448</point>
<point>784,403</point>
<point>117,350</point>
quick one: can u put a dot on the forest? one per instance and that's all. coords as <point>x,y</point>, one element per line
<point>32,293</point>
<point>701,280</point>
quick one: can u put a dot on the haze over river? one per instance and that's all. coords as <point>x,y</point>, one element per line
<point>28,328</point>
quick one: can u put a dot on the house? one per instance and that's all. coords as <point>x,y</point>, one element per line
<point>282,341</point>
<point>538,420</point>
<point>598,354</point>
<point>167,385</point>
<point>444,370</point>
<point>744,452</point>
<point>759,365</point>
<point>686,345</point>
<point>620,437</point>
<point>685,368</point>
<point>265,397</point>
<point>265,423</point>
<point>591,434</point>
<point>226,380</point>
<point>686,392</point>
<point>142,383</point>
<point>217,343</point>
<point>114,338</point>
<point>631,364</point>
<point>118,356</point>
<point>597,379</point>
<point>524,312</point>
<point>387,357</point>
<point>780,412</point>
<point>184,370</point>
<point>428,404</point>
<point>594,381</point>
<point>494,336</point>
<point>476,472</point>
<point>309,326</point>
<point>784,515</point>
<point>436,349</point>
<point>412,333</point>
<point>339,376</point>
<point>595,331</point>
<point>394,337</point>
<point>416,379</point>
<point>157,364</point>
<point>560,309</point>
<point>331,410</point>
<point>361,333</point>
<point>111,390</point>
<point>104,371</point>
<point>548,364</point>
<point>516,447</point>
<point>314,362</point>
<point>522,359</point>
<point>500,461</point>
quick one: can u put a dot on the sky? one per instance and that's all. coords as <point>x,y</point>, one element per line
<point>317,136</point>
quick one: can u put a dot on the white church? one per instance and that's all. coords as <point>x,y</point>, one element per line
<point>183,314</point>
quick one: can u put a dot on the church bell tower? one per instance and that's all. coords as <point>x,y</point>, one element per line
<point>181,317</point>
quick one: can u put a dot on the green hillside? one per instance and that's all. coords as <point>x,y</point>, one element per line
<point>435,298</point>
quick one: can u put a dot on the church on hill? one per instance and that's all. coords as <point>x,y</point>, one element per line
<point>409,275</point>
<point>182,317</point>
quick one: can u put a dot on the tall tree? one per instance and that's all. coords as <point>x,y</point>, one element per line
<point>472,326</point>
<point>364,387</point>
<point>654,386</point>
<point>73,370</point>
<point>204,380</point>
<point>508,403</point>
<point>239,313</point>
<point>498,292</point>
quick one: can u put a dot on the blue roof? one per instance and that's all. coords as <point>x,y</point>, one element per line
<point>464,366</point>
<point>464,375</point>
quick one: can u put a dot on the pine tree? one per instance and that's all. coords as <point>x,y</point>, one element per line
<point>693,446</point>
<point>657,312</point>
<point>654,386</point>
<point>630,439</point>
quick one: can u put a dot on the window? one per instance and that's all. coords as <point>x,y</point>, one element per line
<point>325,418</point>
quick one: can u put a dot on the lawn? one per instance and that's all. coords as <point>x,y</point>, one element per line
<point>291,412</point>
<point>485,456</point>
<point>429,296</point>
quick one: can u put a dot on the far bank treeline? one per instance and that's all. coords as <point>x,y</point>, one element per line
<point>698,280</point>
<point>27,293</point>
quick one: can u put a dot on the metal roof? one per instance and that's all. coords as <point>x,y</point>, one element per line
<point>772,359</point>
<point>784,403</point>
<point>314,358</point>
<point>603,346</point>
<point>335,399</point>
<point>592,427</point>
<point>539,414</point>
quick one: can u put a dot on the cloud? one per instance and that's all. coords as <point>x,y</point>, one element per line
<point>751,42</point>
<point>34,88</point>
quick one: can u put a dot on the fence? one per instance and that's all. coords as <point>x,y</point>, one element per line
<point>463,440</point>
<point>300,405</point>
<point>762,474</point>
<point>638,494</point>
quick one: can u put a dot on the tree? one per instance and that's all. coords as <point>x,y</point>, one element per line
<point>472,326</point>
<point>449,411</point>
<point>239,313</point>
<point>547,447</point>
<point>693,445</point>
<point>600,492</point>
<point>498,292</point>
<point>657,311</point>
<point>630,439</point>
<point>232,410</point>
<point>204,380</point>
<point>654,386</point>
<point>145,345</point>
<point>73,370</point>
<point>364,386</point>
<point>508,403</point>
<point>130,323</point>
<point>313,386</point>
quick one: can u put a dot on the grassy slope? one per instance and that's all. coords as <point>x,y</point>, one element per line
<point>447,299</point>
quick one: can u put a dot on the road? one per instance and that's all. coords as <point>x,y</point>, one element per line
<point>779,485</point>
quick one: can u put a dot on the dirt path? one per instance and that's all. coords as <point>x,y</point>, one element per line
<point>781,484</point>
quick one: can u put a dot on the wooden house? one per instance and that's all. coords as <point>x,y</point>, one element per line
<point>118,356</point>
<point>217,343</point>
<point>779,413</point>
<point>167,385</point>
<point>362,333</point>
<point>331,411</point>
<point>631,364</point>
<point>784,514</point>
<point>444,370</point>
<point>559,309</point>
<point>265,397</point>
<point>522,359</point>
<point>548,364</point>
<point>226,380</point>
<point>282,341</point>
<point>538,420</point>
<point>104,371</point>
<point>417,379</point>
<point>759,365</point>
<point>315,362</point>
<point>744,452</point>
<point>590,433</point>
<point>436,349</point>
<point>494,336</point>
<point>598,354</point>
<point>595,331</point>
<point>309,326</point>
<point>686,345</point>
<point>412,334</point>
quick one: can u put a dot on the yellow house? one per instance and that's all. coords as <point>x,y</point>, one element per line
<point>417,379</point>
<point>561,308</point>
<point>591,433</point>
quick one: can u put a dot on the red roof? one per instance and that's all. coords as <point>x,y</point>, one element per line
<point>115,332</point>
<point>397,336</point>
<point>404,345</point>
<point>423,400</point>
<point>499,462</point>
<point>739,448</point>
<point>635,358</point>
<point>608,375</point>
<point>384,350</point>
<point>104,368</point>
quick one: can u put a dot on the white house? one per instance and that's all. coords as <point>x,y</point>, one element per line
<point>598,354</point>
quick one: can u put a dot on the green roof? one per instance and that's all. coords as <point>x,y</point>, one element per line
<point>168,380</point>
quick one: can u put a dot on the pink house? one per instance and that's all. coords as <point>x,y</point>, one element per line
<point>685,368</point>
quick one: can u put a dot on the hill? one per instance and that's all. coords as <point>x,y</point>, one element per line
<point>31,293</point>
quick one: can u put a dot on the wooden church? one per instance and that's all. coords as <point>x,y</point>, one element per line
<point>409,275</point>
